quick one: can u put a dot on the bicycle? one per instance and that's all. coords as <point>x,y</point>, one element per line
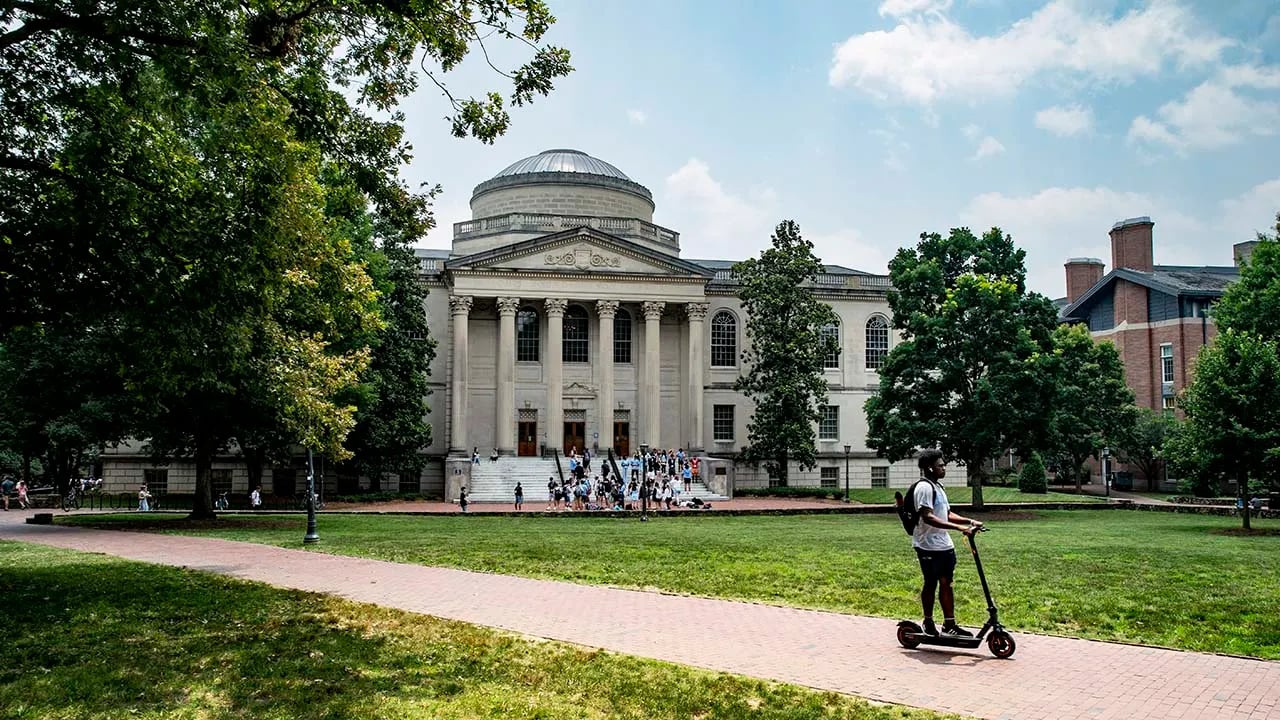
<point>301,501</point>
<point>71,500</point>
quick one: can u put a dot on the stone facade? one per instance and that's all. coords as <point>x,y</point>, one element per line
<point>576,323</point>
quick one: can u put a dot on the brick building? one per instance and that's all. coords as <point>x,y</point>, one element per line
<point>1157,316</point>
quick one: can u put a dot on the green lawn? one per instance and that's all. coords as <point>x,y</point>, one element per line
<point>89,637</point>
<point>1156,578</point>
<point>962,495</point>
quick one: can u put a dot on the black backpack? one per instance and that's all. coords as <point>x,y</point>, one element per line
<point>908,513</point>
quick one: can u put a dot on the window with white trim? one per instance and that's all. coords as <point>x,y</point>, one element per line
<point>1166,362</point>
<point>879,476</point>
<point>829,423</point>
<point>829,476</point>
<point>722,423</point>
<point>724,340</point>
<point>877,342</point>
<point>832,359</point>
<point>622,337</point>
<point>576,346</point>
<point>527,335</point>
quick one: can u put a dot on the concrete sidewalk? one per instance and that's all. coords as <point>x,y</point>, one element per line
<point>1048,677</point>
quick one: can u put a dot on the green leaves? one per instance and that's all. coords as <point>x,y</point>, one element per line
<point>966,376</point>
<point>783,362</point>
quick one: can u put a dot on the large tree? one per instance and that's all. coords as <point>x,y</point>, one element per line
<point>1091,402</point>
<point>1142,441</point>
<point>785,353</point>
<point>967,376</point>
<point>1252,303</point>
<point>1232,429</point>
<point>164,182</point>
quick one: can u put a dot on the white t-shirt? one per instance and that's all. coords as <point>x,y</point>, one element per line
<point>926,536</point>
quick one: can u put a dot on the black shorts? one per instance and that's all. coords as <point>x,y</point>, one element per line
<point>937,564</point>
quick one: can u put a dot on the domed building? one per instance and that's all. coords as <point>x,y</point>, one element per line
<point>567,320</point>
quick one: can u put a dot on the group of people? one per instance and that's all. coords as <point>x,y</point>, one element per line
<point>655,479</point>
<point>9,488</point>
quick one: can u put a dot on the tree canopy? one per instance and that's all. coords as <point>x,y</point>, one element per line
<point>967,375</point>
<point>784,359</point>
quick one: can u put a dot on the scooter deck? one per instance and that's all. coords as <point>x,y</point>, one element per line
<point>945,640</point>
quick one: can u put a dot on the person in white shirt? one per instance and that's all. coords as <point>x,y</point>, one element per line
<point>255,498</point>
<point>932,542</point>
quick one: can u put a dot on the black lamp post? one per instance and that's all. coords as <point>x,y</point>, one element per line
<point>312,536</point>
<point>847,448</point>
<point>1106,469</point>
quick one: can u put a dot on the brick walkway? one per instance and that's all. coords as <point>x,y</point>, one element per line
<point>1048,677</point>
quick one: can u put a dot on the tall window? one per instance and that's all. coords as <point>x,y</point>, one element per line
<point>220,480</point>
<point>829,423</point>
<point>622,337</point>
<point>724,340</point>
<point>577,349</point>
<point>1166,363</point>
<point>157,480</point>
<point>832,331</point>
<point>527,338</point>
<point>722,423</point>
<point>877,341</point>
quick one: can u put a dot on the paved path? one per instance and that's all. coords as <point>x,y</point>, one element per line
<point>1049,677</point>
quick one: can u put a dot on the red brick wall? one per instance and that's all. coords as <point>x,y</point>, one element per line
<point>1080,278</point>
<point>1131,247</point>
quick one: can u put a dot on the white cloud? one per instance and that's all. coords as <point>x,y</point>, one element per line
<point>1059,223</point>
<point>637,117</point>
<point>900,8</point>
<point>971,131</point>
<point>929,57</point>
<point>446,214</point>
<point>1065,120</point>
<point>988,147</point>
<point>713,222</point>
<point>1215,113</point>
<point>848,248</point>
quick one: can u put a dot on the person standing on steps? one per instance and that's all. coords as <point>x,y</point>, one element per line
<point>519,496</point>
<point>932,543</point>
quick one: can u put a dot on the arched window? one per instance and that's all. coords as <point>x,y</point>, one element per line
<point>622,337</point>
<point>832,331</point>
<point>527,338</point>
<point>724,340</point>
<point>877,341</point>
<point>577,348</point>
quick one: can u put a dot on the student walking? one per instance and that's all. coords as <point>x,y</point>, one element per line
<point>519,496</point>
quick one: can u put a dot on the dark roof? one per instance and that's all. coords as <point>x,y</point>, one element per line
<point>1177,280</point>
<point>728,264</point>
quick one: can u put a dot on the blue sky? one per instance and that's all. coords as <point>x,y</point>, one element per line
<point>871,121</point>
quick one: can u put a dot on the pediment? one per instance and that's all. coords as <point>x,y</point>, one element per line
<point>580,250</point>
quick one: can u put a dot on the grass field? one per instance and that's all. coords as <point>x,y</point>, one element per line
<point>1165,579</point>
<point>89,637</point>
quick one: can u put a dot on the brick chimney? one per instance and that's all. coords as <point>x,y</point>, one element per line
<point>1082,274</point>
<point>1131,244</point>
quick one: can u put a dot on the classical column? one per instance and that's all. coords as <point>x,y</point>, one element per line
<point>506,420</point>
<point>697,313</point>
<point>651,388</point>
<point>553,372</point>
<point>460,308</point>
<point>607,309</point>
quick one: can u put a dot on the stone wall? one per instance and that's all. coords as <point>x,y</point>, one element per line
<point>562,198</point>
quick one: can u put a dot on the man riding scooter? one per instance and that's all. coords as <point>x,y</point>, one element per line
<point>932,542</point>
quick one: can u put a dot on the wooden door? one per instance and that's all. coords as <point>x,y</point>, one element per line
<point>527,438</point>
<point>575,436</point>
<point>621,439</point>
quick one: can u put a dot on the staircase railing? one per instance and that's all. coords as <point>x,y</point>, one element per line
<point>555,453</point>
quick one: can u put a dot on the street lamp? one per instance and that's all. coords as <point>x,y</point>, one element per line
<point>1106,469</point>
<point>312,536</point>
<point>847,448</point>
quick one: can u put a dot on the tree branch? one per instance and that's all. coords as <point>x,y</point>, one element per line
<point>101,27</point>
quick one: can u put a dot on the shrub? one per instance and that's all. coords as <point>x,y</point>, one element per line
<point>808,491</point>
<point>1033,478</point>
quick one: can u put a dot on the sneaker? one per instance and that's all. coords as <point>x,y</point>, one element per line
<point>955,630</point>
<point>929,627</point>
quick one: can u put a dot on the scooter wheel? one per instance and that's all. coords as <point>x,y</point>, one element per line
<point>904,632</point>
<point>1001,644</point>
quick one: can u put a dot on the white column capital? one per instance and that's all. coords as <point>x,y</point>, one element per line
<point>460,304</point>
<point>607,308</point>
<point>508,306</point>
<point>652,310</point>
<point>697,311</point>
<point>555,307</point>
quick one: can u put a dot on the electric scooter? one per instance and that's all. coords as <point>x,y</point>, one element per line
<point>999,642</point>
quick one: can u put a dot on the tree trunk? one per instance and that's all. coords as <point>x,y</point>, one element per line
<point>253,461</point>
<point>1242,482</point>
<point>202,503</point>
<point>782,470</point>
<point>974,470</point>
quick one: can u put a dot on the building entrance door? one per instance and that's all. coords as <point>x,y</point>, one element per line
<point>527,440</point>
<point>621,438</point>
<point>575,436</point>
